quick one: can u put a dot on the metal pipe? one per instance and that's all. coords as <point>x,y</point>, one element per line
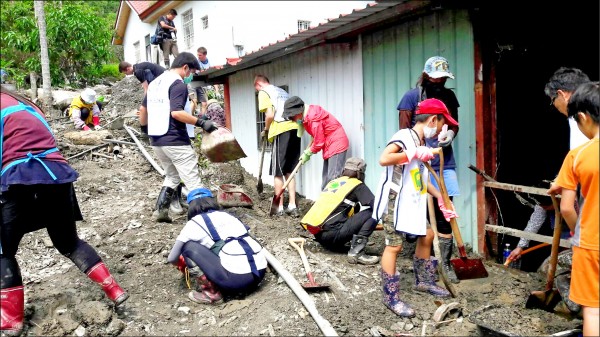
<point>115,141</point>
<point>306,300</point>
<point>116,149</point>
<point>144,152</point>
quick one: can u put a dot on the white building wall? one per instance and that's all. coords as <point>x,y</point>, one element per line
<point>328,75</point>
<point>235,22</point>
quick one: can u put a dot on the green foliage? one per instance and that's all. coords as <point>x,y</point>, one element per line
<point>79,35</point>
<point>111,71</point>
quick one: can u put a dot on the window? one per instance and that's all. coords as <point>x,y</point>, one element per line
<point>136,50</point>
<point>205,22</point>
<point>303,25</point>
<point>148,47</point>
<point>188,28</point>
<point>260,120</point>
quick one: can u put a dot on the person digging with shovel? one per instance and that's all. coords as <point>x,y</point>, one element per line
<point>166,116</point>
<point>580,167</point>
<point>407,149</point>
<point>216,249</point>
<point>342,214</point>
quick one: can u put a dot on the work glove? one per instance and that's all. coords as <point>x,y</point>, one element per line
<point>445,137</point>
<point>86,128</point>
<point>448,213</point>
<point>424,153</point>
<point>206,124</point>
<point>264,133</point>
<point>181,265</point>
<point>305,157</point>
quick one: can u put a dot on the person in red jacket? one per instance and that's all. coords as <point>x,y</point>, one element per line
<point>35,176</point>
<point>327,132</point>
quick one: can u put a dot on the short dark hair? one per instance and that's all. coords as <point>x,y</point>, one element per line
<point>123,66</point>
<point>424,117</point>
<point>172,11</point>
<point>202,205</point>
<point>586,99</point>
<point>186,58</point>
<point>353,174</point>
<point>202,50</point>
<point>565,79</point>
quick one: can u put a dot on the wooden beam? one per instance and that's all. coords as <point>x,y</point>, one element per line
<point>525,235</point>
<point>516,188</point>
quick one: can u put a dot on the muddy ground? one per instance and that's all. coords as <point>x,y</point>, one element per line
<point>117,197</point>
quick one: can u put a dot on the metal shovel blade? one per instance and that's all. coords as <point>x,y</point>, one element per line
<point>221,146</point>
<point>545,300</point>
<point>467,269</point>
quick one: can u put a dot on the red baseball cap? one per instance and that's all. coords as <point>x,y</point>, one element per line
<point>435,107</point>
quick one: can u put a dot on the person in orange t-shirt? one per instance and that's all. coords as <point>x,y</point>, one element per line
<point>581,167</point>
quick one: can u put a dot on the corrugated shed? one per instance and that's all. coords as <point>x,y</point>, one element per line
<point>393,61</point>
<point>328,75</point>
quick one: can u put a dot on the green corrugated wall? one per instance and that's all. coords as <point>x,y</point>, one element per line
<point>393,60</point>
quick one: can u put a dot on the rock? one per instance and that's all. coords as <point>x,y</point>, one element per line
<point>80,331</point>
<point>398,326</point>
<point>185,310</point>
<point>408,326</point>
<point>115,327</point>
<point>88,137</point>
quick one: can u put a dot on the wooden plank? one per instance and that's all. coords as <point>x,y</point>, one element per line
<point>525,235</point>
<point>516,188</point>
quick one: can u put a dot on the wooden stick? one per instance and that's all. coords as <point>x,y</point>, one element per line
<point>525,235</point>
<point>101,155</point>
<point>516,188</point>
<point>115,141</point>
<point>88,150</point>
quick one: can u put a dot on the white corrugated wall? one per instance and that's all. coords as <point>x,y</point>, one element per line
<point>328,75</point>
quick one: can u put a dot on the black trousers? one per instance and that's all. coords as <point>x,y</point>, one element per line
<point>335,236</point>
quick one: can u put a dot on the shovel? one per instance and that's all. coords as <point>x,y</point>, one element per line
<point>298,243</point>
<point>546,299</point>
<point>464,267</point>
<point>436,247</point>
<point>277,196</point>
<point>259,184</point>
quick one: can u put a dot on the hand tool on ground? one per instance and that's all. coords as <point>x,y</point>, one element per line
<point>298,243</point>
<point>277,196</point>
<point>541,245</point>
<point>464,267</point>
<point>548,298</point>
<point>231,195</point>
<point>436,247</point>
<point>259,184</point>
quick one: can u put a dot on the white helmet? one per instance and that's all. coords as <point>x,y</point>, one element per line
<point>88,96</point>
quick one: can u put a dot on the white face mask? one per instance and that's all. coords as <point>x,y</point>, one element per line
<point>429,132</point>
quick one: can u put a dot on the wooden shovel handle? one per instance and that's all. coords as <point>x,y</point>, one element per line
<point>287,182</point>
<point>555,243</point>
<point>298,243</point>
<point>262,156</point>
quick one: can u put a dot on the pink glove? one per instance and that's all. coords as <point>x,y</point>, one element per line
<point>448,213</point>
<point>424,153</point>
<point>86,128</point>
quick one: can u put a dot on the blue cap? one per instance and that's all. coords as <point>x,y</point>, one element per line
<point>198,193</point>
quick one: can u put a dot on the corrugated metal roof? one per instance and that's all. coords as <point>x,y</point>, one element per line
<point>298,41</point>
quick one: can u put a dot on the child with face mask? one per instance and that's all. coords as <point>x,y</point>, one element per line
<point>406,149</point>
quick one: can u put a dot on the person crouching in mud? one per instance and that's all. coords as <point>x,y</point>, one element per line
<point>217,250</point>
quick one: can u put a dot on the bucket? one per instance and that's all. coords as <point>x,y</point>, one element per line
<point>221,146</point>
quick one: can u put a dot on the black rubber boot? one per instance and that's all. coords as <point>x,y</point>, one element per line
<point>161,213</point>
<point>446,245</point>
<point>176,206</point>
<point>356,254</point>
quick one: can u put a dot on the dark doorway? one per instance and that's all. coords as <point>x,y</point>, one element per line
<point>532,136</point>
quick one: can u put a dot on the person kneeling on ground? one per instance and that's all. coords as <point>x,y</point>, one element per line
<point>342,213</point>
<point>84,111</point>
<point>217,251</point>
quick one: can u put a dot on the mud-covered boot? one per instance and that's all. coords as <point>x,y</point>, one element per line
<point>424,279</point>
<point>176,206</point>
<point>11,311</point>
<point>206,292</point>
<point>100,274</point>
<point>391,298</point>
<point>563,285</point>
<point>161,213</point>
<point>357,254</point>
<point>446,245</point>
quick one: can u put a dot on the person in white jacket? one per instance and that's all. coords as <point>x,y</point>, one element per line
<point>217,250</point>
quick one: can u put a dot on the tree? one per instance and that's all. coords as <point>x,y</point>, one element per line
<point>45,60</point>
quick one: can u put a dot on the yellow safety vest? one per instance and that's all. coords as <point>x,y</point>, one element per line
<point>334,194</point>
<point>78,104</point>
